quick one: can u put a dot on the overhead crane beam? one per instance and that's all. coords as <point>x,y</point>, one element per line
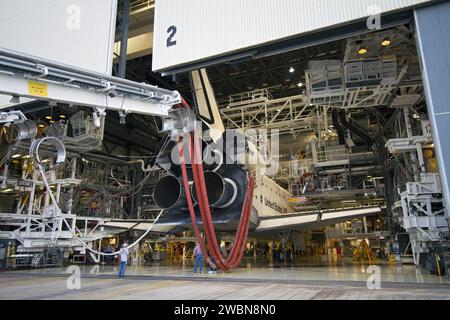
<point>31,77</point>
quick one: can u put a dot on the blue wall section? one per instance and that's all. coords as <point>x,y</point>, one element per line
<point>433,37</point>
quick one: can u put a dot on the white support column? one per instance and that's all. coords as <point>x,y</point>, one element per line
<point>30,208</point>
<point>73,176</point>
<point>58,192</point>
<point>365,224</point>
<point>420,157</point>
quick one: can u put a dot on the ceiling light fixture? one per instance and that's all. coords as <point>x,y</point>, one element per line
<point>48,117</point>
<point>362,50</point>
<point>386,42</point>
<point>291,70</point>
<point>122,118</point>
<point>300,84</point>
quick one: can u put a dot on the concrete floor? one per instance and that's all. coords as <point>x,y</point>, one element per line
<point>315,279</point>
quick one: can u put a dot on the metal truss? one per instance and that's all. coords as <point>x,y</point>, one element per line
<point>363,96</point>
<point>141,5</point>
<point>257,109</point>
<point>36,232</point>
<point>419,209</point>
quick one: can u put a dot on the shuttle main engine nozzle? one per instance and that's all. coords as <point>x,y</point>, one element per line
<point>222,192</point>
<point>169,193</point>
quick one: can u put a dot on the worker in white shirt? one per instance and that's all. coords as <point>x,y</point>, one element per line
<point>123,255</point>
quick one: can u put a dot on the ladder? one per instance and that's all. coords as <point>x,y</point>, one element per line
<point>36,260</point>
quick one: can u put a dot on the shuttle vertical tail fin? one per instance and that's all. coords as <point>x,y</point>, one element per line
<point>206,103</point>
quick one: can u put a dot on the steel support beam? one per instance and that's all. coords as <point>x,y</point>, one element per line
<point>124,27</point>
<point>18,86</point>
<point>26,76</point>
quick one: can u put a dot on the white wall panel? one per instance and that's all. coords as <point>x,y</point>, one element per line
<point>75,32</point>
<point>209,28</point>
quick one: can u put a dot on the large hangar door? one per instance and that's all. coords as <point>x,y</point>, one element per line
<point>78,33</point>
<point>200,33</point>
<point>433,29</point>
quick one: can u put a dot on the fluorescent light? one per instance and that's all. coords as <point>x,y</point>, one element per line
<point>62,116</point>
<point>27,157</point>
<point>16,156</point>
<point>7,190</point>
<point>48,117</point>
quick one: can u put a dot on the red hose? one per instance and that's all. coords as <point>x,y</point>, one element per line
<point>242,233</point>
<point>237,251</point>
<point>199,180</point>
<point>246,228</point>
<point>189,198</point>
<point>238,240</point>
<point>210,239</point>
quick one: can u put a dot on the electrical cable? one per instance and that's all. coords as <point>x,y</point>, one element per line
<point>117,252</point>
<point>9,153</point>
<point>125,193</point>
<point>59,213</point>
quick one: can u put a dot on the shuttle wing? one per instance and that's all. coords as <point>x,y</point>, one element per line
<point>313,220</point>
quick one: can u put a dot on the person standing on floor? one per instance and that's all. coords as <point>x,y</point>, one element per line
<point>198,258</point>
<point>224,250</point>
<point>123,255</point>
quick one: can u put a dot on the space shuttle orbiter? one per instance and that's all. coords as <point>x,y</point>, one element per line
<point>226,180</point>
